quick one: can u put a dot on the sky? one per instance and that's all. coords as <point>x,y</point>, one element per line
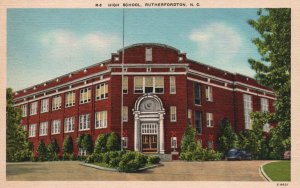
<point>46,43</point>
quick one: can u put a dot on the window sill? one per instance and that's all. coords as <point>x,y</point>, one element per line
<point>100,127</point>
<point>31,136</point>
<point>69,106</point>
<point>69,131</point>
<point>43,135</point>
<point>54,133</point>
<point>84,130</point>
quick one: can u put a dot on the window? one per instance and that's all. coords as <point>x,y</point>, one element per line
<point>43,128</point>
<point>84,122</point>
<point>198,122</point>
<point>148,54</point>
<point>32,130</point>
<point>82,152</point>
<point>33,108</point>
<point>264,105</point>
<point>55,128</point>
<point>173,113</point>
<point>24,127</point>
<point>209,119</point>
<point>85,95</point>
<point>56,102</point>
<point>70,99</point>
<point>189,117</point>
<point>149,128</point>
<point>172,85</point>
<point>125,113</point>
<point>138,84</point>
<point>197,93</point>
<point>208,93</point>
<point>69,124</point>
<point>125,142</point>
<point>148,84</point>
<point>125,84</point>
<point>159,84</point>
<point>44,105</point>
<point>247,110</point>
<point>173,142</point>
<point>101,119</point>
<point>210,144</point>
<point>101,91</point>
<point>24,110</point>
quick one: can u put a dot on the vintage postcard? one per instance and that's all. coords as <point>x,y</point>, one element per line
<point>149,94</point>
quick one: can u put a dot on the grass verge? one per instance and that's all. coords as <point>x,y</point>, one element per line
<point>278,171</point>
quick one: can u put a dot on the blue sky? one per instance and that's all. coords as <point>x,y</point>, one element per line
<point>46,43</point>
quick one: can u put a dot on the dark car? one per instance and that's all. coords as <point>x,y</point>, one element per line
<point>237,154</point>
<point>287,155</point>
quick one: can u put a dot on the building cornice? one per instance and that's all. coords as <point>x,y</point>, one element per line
<point>64,84</point>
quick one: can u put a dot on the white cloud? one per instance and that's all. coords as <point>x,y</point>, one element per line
<point>64,45</point>
<point>217,43</point>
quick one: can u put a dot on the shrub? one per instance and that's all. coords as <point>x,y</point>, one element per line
<point>66,157</point>
<point>113,142</point>
<point>100,144</point>
<point>68,145</point>
<point>87,143</point>
<point>132,161</point>
<point>114,162</point>
<point>90,159</point>
<point>42,151</point>
<point>106,158</point>
<point>73,157</point>
<point>152,159</point>
<point>53,149</point>
<point>98,158</point>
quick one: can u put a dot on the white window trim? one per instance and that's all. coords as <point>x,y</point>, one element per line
<point>125,87</point>
<point>125,142</point>
<point>209,119</point>
<point>125,113</point>
<point>247,110</point>
<point>24,110</point>
<point>208,93</point>
<point>173,140</point>
<point>102,121</point>
<point>172,85</point>
<point>55,127</point>
<point>70,102</point>
<point>32,130</point>
<point>33,108</point>
<point>45,105</point>
<point>85,95</point>
<point>148,54</point>
<point>69,122</point>
<point>56,102</point>
<point>173,116</point>
<point>144,85</point>
<point>99,93</point>
<point>86,122</point>
<point>44,128</point>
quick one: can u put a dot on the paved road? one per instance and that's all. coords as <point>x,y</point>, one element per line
<point>170,171</point>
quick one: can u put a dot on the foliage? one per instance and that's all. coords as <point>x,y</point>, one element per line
<point>227,138</point>
<point>68,145</point>
<point>17,145</point>
<point>274,69</point>
<point>79,140</point>
<point>188,141</point>
<point>53,150</point>
<point>113,142</point>
<point>100,144</point>
<point>191,151</point>
<point>42,151</point>
<point>152,159</point>
<point>131,161</point>
<point>87,143</point>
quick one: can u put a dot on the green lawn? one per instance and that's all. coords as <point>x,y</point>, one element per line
<point>278,171</point>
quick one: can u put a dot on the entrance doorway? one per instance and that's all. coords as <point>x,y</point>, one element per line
<point>149,143</point>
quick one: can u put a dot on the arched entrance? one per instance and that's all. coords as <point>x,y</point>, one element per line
<point>149,124</point>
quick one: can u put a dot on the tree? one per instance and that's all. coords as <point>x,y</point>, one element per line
<point>68,145</point>
<point>274,69</point>
<point>113,142</point>
<point>17,145</point>
<point>227,138</point>
<point>100,144</point>
<point>87,143</point>
<point>53,149</point>
<point>42,151</point>
<point>188,141</point>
